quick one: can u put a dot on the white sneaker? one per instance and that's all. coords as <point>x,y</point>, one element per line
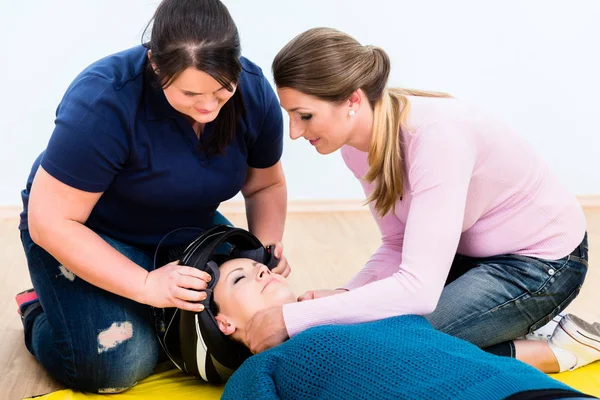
<point>546,331</point>
<point>580,338</point>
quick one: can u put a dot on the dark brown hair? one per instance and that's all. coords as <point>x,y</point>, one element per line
<point>199,34</point>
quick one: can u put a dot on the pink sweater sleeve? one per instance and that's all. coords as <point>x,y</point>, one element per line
<point>440,163</point>
<point>388,256</point>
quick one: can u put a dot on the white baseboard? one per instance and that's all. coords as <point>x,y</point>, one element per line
<point>308,206</point>
<point>303,206</point>
<point>9,211</point>
<point>315,206</point>
<point>589,201</point>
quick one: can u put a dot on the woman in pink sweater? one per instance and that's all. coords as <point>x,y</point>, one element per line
<point>478,234</point>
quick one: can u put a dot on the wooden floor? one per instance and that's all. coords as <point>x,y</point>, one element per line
<point>324,250</point>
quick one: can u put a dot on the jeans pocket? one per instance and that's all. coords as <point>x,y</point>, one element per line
<point>535,274</point>
<point>563,304</point>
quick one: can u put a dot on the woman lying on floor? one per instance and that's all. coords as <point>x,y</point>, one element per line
<point>399,357</point>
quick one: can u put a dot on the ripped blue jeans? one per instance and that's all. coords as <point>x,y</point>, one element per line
<point>85,337</point>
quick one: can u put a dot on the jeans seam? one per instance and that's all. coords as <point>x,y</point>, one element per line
<point>557,272</point>
<point>478,315</point>
<point>559,308</point>
<point>71,356</point>
<point>539,291</point>
<point>526,295</point>
<point>578,259</point>
<point>522,296</point>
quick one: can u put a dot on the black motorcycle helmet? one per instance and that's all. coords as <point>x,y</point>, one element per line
<point>193,340</point>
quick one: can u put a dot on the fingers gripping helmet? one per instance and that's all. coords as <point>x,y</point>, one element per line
<point>193,340</point>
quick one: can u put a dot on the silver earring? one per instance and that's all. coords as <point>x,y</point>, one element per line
<point>351,113</point>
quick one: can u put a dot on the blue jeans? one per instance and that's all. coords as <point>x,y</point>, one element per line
<point>85,337</point>
<point>492,300</point>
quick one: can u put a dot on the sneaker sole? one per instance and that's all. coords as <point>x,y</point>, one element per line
<point>25,297</point>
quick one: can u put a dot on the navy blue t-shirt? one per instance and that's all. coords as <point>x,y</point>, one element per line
<point>116,133</point>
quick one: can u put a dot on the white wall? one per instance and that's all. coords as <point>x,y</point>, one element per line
<point>535,63</point>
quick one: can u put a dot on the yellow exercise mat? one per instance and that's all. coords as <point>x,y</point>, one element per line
<point>171,384</point>
<point>174,385</point>
<point>586,379</point>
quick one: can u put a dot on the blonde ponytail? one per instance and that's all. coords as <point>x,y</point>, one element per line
<point>386,164</point>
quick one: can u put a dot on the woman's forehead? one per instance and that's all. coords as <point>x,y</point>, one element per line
<point>196,81</point>
<point>237,263</point>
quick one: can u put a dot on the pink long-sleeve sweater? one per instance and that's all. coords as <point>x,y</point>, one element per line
<point>472,187</point>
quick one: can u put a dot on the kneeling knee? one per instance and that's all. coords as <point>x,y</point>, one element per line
<point>122,358</point>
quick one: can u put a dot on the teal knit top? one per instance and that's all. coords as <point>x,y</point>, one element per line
<point>396,358</point>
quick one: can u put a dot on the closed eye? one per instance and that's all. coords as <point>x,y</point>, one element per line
<point>238,278</point>
<point>305,117</point>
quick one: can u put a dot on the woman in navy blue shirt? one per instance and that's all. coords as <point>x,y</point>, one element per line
<point>146,141</point>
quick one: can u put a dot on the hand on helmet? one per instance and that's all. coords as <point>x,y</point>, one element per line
<point>283,268</point>
<point>175,285</point>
